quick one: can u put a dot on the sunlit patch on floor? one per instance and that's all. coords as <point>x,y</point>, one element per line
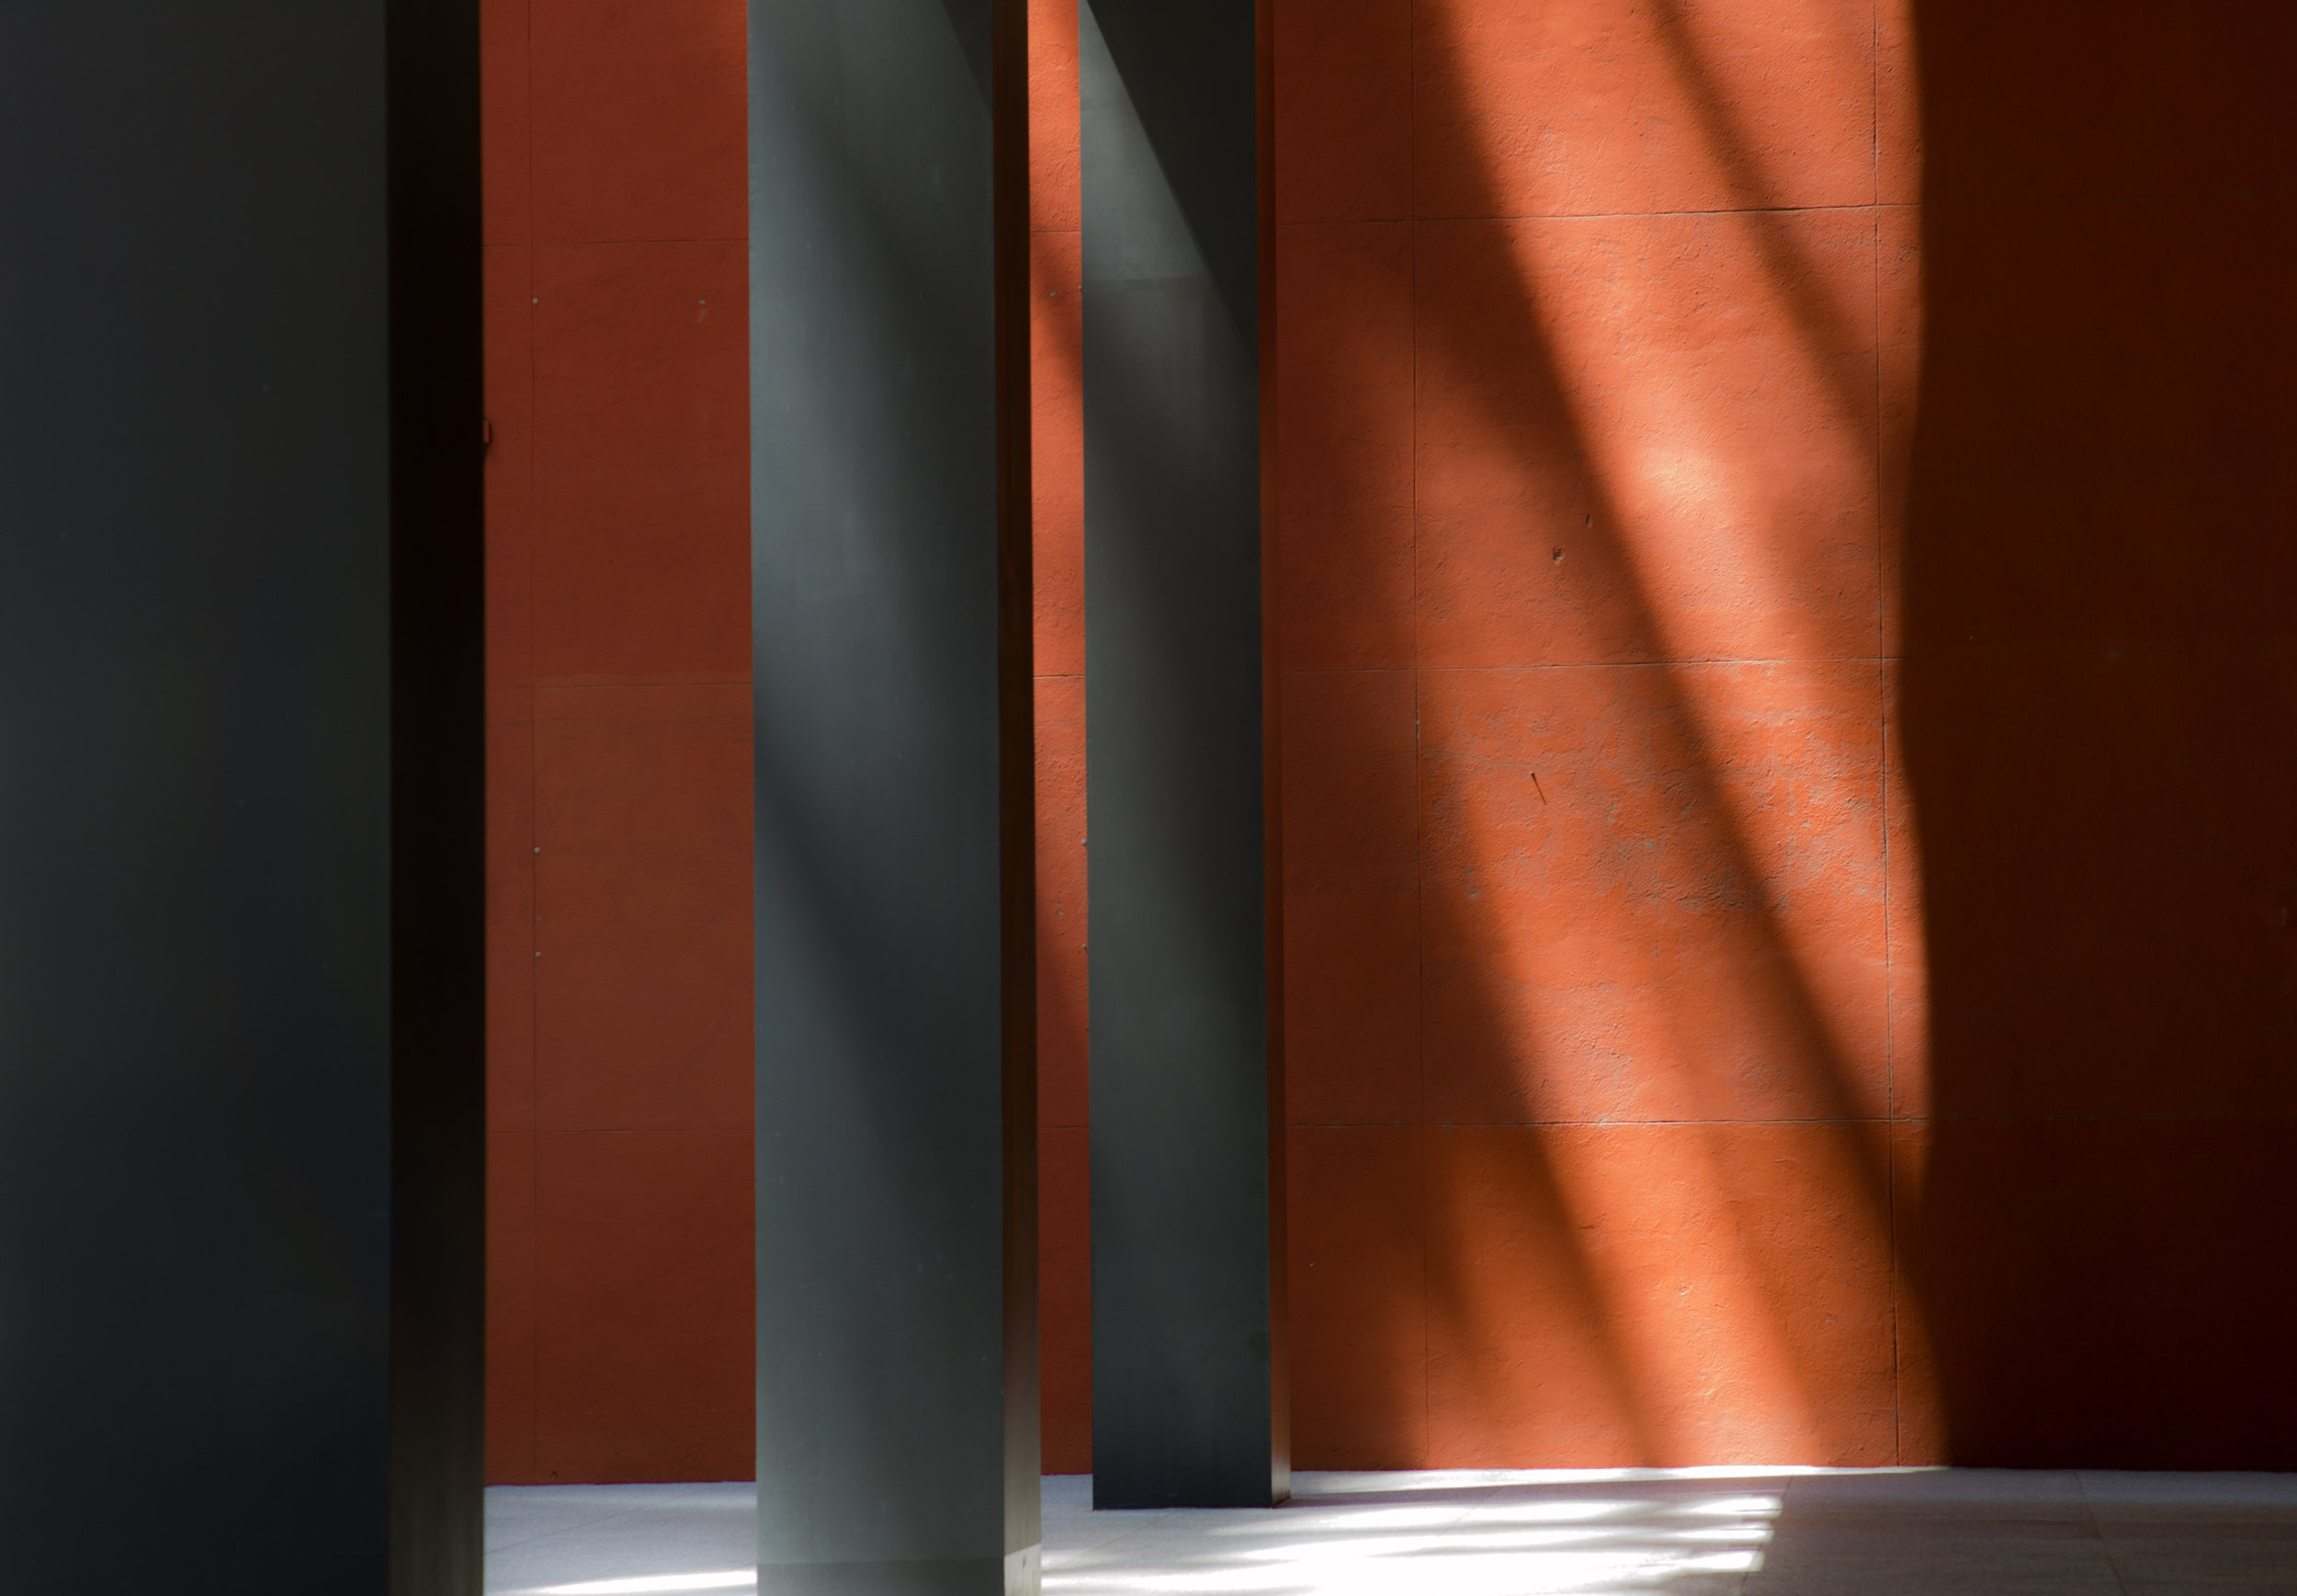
<point>1445,1540</point>
<point>647,1584</point>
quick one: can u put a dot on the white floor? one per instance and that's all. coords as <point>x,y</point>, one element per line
<point>1649,1531</point>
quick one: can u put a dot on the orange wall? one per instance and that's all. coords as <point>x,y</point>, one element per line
<point>1056,337</point>
<point>619,1308</point>
<point>1785,522</point>
<point>1592,321</point>
<point>2099,603</point>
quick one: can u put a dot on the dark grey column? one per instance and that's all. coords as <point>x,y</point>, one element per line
<point>897,1087</point>
<point>241,798</point>
<point>1189,1402</point>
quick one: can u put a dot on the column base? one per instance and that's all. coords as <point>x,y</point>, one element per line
<point>1016,1574</point>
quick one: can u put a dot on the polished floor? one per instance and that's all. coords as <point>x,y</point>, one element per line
<point>1608,1532</point>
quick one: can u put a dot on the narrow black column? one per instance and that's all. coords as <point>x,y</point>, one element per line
<point>241,798</point>
<point>896,1130</point>
<point>1189,1402</point>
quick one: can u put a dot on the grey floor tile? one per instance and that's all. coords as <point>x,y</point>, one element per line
<point>563,1505</point>
<point>2115,1497</point>
<point>534,1521</point>
<point>2083,1581</point>
<point>2199,1532</point>
<point>1932,1535</point>
<point>2229,1554</point>
<point>1974,1494</point>
<point>1068,1491</point>
<point>1088,1536</point>
<point>621,1534</point>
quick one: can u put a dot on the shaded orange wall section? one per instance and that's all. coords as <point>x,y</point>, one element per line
<point>1789,822</point>
<point>619,1237</point>
<point>2095,710</point>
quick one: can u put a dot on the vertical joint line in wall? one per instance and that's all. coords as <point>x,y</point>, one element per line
<point>1884,568</point>
<point>1411,311</point>
<point>1411,540</point>
<point>1882,688</point>
<point>1874,86</point>
<point>1882,525</point>
<point>534,807</point>
<point>1419,823</point>
<point>1890,1251</point>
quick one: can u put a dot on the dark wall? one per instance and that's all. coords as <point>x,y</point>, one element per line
<point>2098,697</point>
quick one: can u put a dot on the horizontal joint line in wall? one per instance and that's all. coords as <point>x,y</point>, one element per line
<point>613,242</point>
<point>1596,215</point>
<point>1574,1124</point>
<point>1633,664</point>
<point>2284,1117</point>
<point>730,1128</point>
<point>560,685</point>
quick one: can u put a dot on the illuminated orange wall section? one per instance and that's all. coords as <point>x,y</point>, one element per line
<point>1057,396</point>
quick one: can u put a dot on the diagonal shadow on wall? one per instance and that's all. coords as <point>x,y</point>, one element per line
<point>1656,1220</point>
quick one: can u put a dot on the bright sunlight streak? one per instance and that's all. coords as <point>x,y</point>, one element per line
<point>1505,1545</point>
<point>648,1584</point>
